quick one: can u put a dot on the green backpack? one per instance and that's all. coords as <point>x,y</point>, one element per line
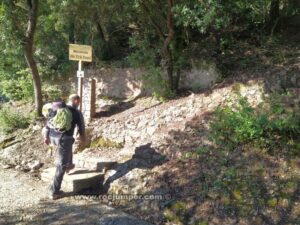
<point>59,117</point>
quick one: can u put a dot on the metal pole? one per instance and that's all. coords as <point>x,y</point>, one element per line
<point>79,65</point>
<point>80,85</point>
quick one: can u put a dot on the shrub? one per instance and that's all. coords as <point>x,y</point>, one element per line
<point>145,56</point>
<point>11,120</point>
<point>52,92</point>
<point>239,124</point>
<point>20,88</point>
<point>154,80</point>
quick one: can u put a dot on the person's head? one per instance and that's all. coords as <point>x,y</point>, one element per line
<point>74,100</point>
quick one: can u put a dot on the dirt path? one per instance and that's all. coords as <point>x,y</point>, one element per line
<point>23,200</point>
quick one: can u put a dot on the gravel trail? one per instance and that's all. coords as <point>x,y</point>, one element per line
<point>23,200</point>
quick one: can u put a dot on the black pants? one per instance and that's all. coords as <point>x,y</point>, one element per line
<point>64,157</point>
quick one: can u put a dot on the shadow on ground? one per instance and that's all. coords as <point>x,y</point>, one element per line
<point>211,186</point>
<point>145,157</point>
<point>111,110</point>
<point>74,211</point>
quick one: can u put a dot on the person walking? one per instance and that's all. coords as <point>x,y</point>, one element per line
<point>74,102</point>
<point>64,140</point>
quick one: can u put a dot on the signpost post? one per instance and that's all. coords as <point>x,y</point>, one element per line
<point>80,53</point>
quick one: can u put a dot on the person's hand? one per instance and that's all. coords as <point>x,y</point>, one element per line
<point>47,141</point>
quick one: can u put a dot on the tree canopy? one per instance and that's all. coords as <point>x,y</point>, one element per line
<point>159,35</point>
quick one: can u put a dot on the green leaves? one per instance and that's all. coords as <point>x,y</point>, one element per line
<point>11,120</point>
<point>19,88</point>
<point>241,123</point>
<point>196,15</point>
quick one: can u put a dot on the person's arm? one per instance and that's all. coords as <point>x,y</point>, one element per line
<point>46,133</point>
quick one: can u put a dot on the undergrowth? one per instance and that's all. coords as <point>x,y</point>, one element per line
<point>270,125</point>
<point>249,172</point>
<point>11,120</point>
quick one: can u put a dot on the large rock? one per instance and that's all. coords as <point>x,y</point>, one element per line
<point>199,78</point>
<point>100,164</point>
<point>133,182</point>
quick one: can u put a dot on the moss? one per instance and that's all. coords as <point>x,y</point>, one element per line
<point>179,206</point>
<point>172,217</point>
<point>272,202</point>
<point>102,142</point>
<point>236,88</point>
<point>177,213</point>
<point>202,222</point>
<point>190,155</point>
<point>237,195</point>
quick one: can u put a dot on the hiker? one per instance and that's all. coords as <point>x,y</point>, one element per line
<point>63,139</point>
<point>74,102</point>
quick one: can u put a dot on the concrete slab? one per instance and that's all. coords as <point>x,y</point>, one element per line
<point>100,164</point>
<point>79,179</point>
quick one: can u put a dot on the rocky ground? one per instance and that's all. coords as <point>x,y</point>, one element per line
<point>152,146</point>
<point>24,200</point>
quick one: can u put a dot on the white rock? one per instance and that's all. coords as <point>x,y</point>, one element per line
<point>17,167</point>
<point>6,166</point>
<point>37,127</point>
<point>151,130</point>
<point>34,165</point>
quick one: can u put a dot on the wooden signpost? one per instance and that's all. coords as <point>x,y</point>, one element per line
<point>80,53</point>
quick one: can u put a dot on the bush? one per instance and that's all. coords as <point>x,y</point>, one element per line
<point>20,88</point>
<point>11,120</point>
<point>52,93</point>
<point>157,84</point>
<point>270,123</point>
<point>145,56</point>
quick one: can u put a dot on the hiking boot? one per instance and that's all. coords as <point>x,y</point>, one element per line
<point>54,196</point>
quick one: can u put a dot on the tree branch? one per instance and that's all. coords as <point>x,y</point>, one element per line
<point>32,20</point>
<point>170,25</point>
<point>154,23</point>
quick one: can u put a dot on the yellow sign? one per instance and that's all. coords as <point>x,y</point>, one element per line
<point>80,52</point>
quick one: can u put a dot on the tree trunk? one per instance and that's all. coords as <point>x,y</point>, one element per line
<point>28,52</point>
<point>274,10</point>
<point>166,52</point>
<point>176,80</point>
<point>169,65</point>
<point>100,32</point>
<point>72,32</point>
<point>273,14</point>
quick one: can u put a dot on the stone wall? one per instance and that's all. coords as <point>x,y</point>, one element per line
<point>118,83</point>
<point>153,124</point>
<point>124,83</point>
